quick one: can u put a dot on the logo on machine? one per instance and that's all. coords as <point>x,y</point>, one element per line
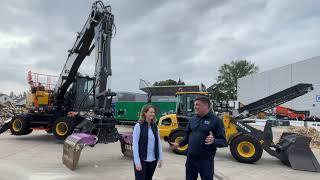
<point>318,98</point>
<point>243,127</point>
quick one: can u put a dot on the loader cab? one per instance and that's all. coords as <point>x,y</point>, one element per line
<point>171,127</point>
<point>168,124</point>
<point>185,102</point>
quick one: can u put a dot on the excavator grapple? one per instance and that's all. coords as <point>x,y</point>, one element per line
<point>73,146</point>
<point>126,144</point>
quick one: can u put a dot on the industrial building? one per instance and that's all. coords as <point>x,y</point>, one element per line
<point>260,85</point>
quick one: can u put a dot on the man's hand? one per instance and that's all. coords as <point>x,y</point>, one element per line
<point>210,139</point>
<point>138,167</point>
<point>174,145</point>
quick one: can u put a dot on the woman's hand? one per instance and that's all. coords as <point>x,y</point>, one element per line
<point>160,163</point>
<point>138,167</point>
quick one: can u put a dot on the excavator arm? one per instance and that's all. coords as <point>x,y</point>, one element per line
<point>95,34</point>
<point>97,126</point>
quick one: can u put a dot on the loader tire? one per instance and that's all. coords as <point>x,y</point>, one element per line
<point>62,128</point>
<point>246,148</point>
<point>19,126</point>
<point>176,137</point>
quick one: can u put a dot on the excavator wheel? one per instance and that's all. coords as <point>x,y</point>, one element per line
<point>177,137</point>
<point>19,126</point>
<point>246,148</point>
<point>62,128</point>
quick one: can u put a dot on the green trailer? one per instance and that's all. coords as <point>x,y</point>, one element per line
<point>127,106</point>
<point>128,112</point>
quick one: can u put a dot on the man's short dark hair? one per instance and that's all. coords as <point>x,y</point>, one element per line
<point>203,99</point>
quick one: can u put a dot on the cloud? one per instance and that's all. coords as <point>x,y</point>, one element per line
<point>158,39</point>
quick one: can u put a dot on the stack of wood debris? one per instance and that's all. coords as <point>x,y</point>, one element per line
<point>310,132</point>
<point>7,110</point>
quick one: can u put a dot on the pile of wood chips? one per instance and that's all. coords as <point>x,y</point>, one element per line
<point>310,132</point>
<point>7,110</point>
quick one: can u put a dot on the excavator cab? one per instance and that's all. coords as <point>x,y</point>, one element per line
<point>80,96</point>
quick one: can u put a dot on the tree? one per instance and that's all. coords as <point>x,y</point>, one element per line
<point>226,87</point>
<point>11,94</point>
<point>168,82</point>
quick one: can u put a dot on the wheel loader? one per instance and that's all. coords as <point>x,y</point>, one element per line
<point>246,142</point>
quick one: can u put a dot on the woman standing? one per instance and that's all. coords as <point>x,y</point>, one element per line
<point>147,150</point>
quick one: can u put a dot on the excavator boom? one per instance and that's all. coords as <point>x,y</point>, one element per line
<point>98,126</point>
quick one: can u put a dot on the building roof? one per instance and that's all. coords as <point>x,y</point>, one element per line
<point>21,101</point>
<point>170,90</point>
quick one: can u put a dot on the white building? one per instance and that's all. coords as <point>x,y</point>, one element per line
<point>260,85</point>
<point>5,98</point>
<point>21,101</point>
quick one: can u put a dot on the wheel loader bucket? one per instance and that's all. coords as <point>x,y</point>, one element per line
<point>73,146</point>
<point>295,151</point>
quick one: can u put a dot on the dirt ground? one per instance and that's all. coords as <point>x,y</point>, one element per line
<point>38,157</point>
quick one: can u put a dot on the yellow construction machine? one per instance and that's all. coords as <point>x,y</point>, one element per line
<point>79,108</point>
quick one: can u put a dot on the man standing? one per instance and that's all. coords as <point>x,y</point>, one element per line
<point>204,134</point>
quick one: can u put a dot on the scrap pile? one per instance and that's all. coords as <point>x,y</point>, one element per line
<point>8,110</point>
<point>310,132</point>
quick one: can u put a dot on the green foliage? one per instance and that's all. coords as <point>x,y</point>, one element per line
<point>226,87</point>
<point>168,82</point>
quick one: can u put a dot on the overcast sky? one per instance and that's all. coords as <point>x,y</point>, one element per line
<point>158,39</point>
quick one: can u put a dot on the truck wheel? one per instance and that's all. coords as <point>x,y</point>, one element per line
<point>177,137</point>
<point>19,126</point>
<point>246,148</point>
<point>62,128</point>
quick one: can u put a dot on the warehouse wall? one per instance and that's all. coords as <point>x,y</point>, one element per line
<point>260,85</point>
